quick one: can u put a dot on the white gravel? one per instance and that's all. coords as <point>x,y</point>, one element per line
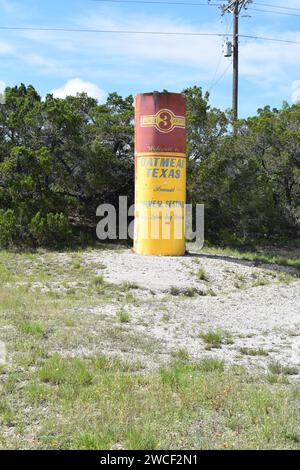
<point>256,316</point>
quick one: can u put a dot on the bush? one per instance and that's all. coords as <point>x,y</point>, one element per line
<point>9,229</point>
<point>53,229</point>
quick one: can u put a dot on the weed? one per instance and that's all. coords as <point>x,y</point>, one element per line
<point>201,274</point>
<point>276,368</point>
<point>60,370</point>
<point>253,352</point>
<point>260,282</point>
<point>166,317</point>
<point>181,355</point>
<point>98,281</point>
<point>174,291</point>
<point>123,316</point>
<point>35,328</point>
<point>285,278</point>
<point>215,339</point>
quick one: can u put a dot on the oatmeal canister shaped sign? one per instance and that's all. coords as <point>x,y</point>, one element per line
<point>160,174</point>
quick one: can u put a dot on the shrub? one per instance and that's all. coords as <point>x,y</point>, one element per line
<point>53,229</point>
<point>9,228</point>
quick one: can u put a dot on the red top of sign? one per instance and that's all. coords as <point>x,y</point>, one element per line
<point>160,122</point>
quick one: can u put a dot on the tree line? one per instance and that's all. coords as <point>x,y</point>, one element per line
<point>61,158</point>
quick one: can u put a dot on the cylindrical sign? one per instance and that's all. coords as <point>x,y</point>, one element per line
<point>160,174</point>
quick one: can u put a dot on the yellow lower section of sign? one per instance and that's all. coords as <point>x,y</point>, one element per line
<point>160,196</point>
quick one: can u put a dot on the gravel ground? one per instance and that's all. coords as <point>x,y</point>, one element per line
<point>250,304</point>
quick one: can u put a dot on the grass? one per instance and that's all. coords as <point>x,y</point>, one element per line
<point>130,298</point>
<point>240,281</point>
<point>285,278</point>
<point>256,257</point>
<point>175,291</point>
<point>98,281</point>
<point>166,317</point>
<point>58,370</point>
<point>210,365</point>
<point>186,292</point>
<point>201,274</point>
<point>181,355</point>
<point>57,391</point>
<point>189,292</point>
<point>253,352</point>
<point>211,292</point>
<point>215,339</point>
<point>6,413</point>
<point>126,286</point>
<point>123,316</point>
<point>260,282</point>
<point>278,369</point>
<point>97,403</point>
<point>35,328</point>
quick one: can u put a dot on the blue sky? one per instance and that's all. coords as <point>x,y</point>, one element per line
<point>64,63</point>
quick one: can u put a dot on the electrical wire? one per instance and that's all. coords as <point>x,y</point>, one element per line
<point>276,6</point>
<point>220,78</point>
<point>219,5</point>
<point>114,31</point>
<point>214,82</point>
<point>263,38</point>
<point>274,12</point>
<point>158,2</point>
<point>118,31</point>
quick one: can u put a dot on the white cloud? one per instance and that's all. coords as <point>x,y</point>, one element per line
<point>296,91</point>
<point>148,61</point>
<point>2,98</point>
<point>6,48</point>
<point>76,85</point>
<point>7,6</point>
<point>130,52</point>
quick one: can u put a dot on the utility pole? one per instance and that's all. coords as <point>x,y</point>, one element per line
<point>235,80</point>
<point>235,7</point>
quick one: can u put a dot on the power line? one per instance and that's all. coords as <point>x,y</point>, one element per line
<point>116,31</point>
<point>123,31</point>
<point>159,2</point>
<point>214,84</point>
<point>263,38</point>
<point>274,12</point>
<point>208,4</point>
<point>276,6</point>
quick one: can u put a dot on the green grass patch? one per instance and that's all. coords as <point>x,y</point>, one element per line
<point>166,317</point>
<point>97,403</point>
<point>278,369</point>
<point>263,258</point>
<point>253,351</point>
<point>201,274</point>
<point>215,339</point>
<point>123,316</point>
<point>98,281</point>
<point>262,281</point>
<point>286,278</point>
<point>6,412</point>
<point>181,355</point>
<point>58,370</point>
<point>175,291</point>
<point>34,328</point>
<point>126,286</point>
